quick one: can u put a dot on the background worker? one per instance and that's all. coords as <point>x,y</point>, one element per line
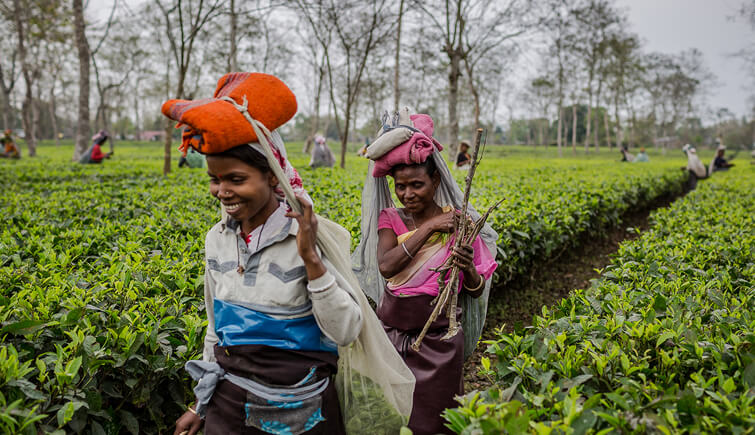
<point>719,162</point>
<point>695,168</point>
<point>463,159</point>
<point>10,150</point>
<point>94,154</point>
<point>191,159</point>
<point>641,157</point>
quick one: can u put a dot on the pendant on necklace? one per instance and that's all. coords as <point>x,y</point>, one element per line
<point>240,270</point>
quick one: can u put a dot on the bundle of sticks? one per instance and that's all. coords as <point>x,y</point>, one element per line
<point>466,232</point>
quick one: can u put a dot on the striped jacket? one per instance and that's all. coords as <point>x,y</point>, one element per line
<point>258,293</point>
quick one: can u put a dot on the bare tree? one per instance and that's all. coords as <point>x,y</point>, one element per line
<point>396,87</point>
<point>316,65</point>
<point>562,30</point>
<point>183,20</point>
<point>541,94</point>
<point>673,82</point>
<point>623,62</point>
<point>596,19</point>
<point>83,128</point>
<point>358,28</point>
<point>21,12</point>
<point>114,60</point>
<point>9,74</point>
<point>233,62</point>
<point>468,30</point>
<point>53,55</point>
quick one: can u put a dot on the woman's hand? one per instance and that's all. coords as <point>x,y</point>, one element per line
<point>444,222</point>
<point>306,239</point>
<point>463,257</point>
<point>188,424</point>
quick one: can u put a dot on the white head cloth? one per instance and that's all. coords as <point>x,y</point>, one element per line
<point>693,162</point>
<point>376,196</point>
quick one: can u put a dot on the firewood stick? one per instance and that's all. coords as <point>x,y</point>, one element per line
<point>462,228</point>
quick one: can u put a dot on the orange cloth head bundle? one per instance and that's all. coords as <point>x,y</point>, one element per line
<point>214,125</point>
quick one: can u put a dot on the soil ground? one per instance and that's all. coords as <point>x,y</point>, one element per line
<point>515,303</point>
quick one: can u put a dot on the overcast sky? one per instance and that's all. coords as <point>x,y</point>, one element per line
<point>670,26</point>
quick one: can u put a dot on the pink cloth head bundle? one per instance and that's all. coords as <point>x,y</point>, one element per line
<point>416,150</point>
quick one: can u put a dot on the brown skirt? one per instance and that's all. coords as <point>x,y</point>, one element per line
<point>226,412</point>
<point>438,366</point>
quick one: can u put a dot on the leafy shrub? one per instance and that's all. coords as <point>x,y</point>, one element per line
<point>101,270</point>
<point>663,342</point>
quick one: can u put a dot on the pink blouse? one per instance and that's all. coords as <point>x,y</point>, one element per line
<point>483,259</point>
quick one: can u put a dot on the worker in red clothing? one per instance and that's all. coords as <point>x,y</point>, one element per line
<point>10,150</point>
<point>94,154</point>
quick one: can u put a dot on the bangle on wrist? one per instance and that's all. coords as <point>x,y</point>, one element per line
<point>478,286</point>
<point>406,251</point>
<point>323,288</point>
<point>192,410</point>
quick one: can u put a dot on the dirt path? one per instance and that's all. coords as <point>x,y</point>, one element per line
<point>551,281</point>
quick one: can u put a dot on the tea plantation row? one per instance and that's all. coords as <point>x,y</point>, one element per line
<point>664,342</point>
<point>101,272</point>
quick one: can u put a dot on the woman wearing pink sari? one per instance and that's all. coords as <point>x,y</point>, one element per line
<point>411,241</point>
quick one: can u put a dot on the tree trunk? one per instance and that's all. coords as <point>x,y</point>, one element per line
<point>168,144</point>
<point>574,129</point>
<point>588,122</point>
<point>560,126</point>
<point>233,65</point>
<point>316,109</point>
<point>6,109</point>
<point>608,130</point>
<point>83,132</point>
<point>396,87</point>
<point>36,109</point>
<point>137,115</point>
<point>26,108</point>
<point>453,98</point>
<point>655,129</point>
<point>542,128</point>
<point>169,124</point>
<point>53,115</point>
<point>345,138</point>
<point>106,127</point>
<point>475,95</point>
<point>619,131</point>
<point>529,134</point>
<point>28,122</point>
<point>596,114</point>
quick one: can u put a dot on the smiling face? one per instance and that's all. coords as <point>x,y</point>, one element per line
<point>245,191</point>
<point>415,188</point>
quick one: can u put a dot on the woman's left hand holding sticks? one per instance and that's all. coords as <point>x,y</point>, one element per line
<point>463,258</point>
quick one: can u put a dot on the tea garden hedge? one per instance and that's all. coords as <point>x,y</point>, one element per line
<point>664,342</point>
<point>101,285</point>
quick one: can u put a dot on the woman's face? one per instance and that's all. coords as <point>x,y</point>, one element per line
<point>243,190</point>
<point>414,188</point>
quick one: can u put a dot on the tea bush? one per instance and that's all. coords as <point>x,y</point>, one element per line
<point>101,270</point>
<point>664,342</point>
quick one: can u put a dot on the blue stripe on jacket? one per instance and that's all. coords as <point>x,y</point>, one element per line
<point>237,325</point>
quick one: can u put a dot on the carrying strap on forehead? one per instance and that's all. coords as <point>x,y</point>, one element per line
<point>274,161</point>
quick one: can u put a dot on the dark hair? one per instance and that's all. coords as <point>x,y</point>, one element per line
<point>248,155</point>
<point>428,164</point>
